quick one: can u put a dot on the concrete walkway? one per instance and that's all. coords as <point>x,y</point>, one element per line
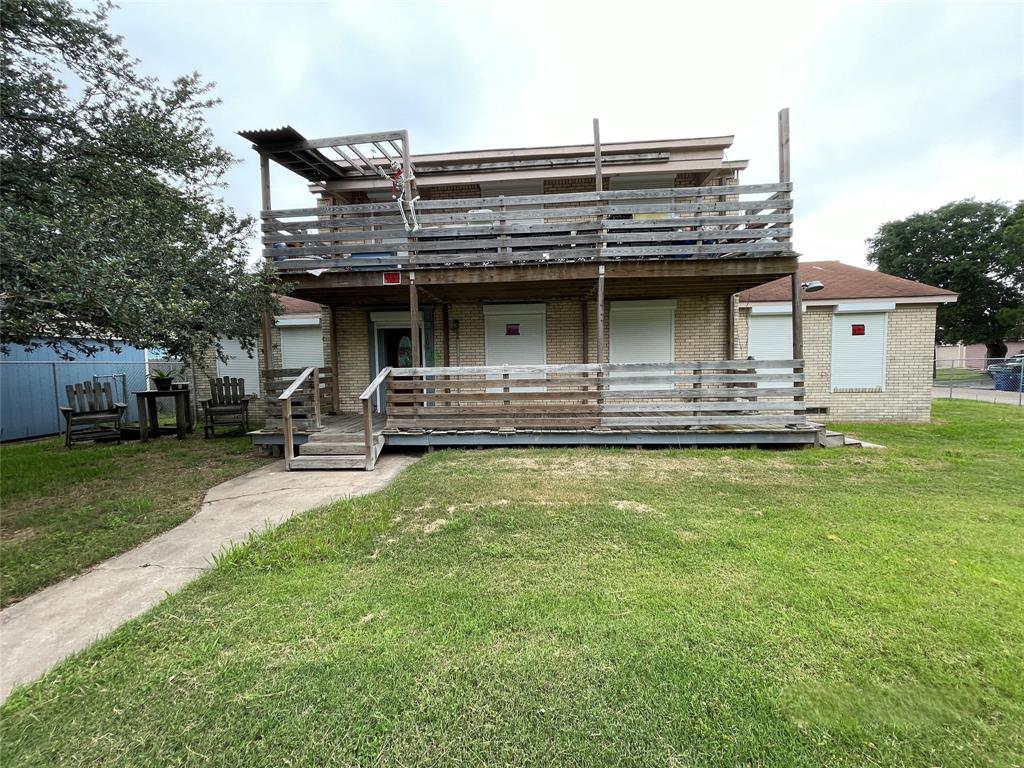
<point>54,623</point>
<point>976,393</point>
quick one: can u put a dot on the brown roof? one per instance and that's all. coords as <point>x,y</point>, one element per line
<point>292,306</point>
<point>843,281</point>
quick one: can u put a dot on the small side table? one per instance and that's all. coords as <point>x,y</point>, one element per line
<point>149,421</point>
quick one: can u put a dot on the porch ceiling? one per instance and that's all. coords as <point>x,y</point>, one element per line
<point>523,283</point>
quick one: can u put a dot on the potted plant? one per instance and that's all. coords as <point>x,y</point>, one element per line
<point>162,379</point>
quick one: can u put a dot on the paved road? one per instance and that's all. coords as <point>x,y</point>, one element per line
<point>976,393</point>
<point>64,618</point>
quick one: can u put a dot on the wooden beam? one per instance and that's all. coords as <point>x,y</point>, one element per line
<point>598,179</point>
<point>768,268</point>
<point>600,315</point>
<point>414,321</point>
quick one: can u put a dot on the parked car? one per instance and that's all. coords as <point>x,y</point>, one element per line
<point>1017,361</point>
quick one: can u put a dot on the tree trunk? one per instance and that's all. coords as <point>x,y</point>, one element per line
<point>995,350</point>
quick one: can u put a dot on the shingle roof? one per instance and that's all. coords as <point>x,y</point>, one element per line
<point>843,281</point>
<point>293,306</point>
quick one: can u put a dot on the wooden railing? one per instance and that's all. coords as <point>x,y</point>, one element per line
<point>683,395</point>
<point>682,222</point>
<point>310,375</point>
<point>304,406</point>
<point>367,395</point>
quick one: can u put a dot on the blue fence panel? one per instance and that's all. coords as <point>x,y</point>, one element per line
<point>32,386</point>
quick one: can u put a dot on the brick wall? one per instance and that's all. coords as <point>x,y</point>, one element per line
<point>351,360</point>
<point>449,191</point>
<point>572,184</point>
<point>908,366</point>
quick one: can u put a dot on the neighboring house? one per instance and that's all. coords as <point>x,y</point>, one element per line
<point>297,341</point>
<point>599,276</point>
<point>868,340</point>
<point>33,381</point>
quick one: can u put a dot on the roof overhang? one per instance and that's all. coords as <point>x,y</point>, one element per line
<point>863,302</point>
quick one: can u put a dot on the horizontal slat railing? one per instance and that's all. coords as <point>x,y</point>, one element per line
<point>720,393</point>
<point>693,222</point>
<point>303,406</point>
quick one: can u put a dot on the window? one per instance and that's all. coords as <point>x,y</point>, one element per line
<point>858,351</point>
<point>240,366</point>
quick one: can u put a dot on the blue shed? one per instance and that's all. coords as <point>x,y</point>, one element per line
<point>32,386</point>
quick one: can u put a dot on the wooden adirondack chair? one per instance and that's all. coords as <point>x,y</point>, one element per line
<point>91,404</point>
<point>227,405</point>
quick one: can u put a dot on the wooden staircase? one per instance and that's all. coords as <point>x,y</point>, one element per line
<point>337,450</point>
<point>327,448</point>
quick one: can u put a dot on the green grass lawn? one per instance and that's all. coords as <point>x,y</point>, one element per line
<point>64,511</point>
<point>593,607</point>
<point>960,374</point>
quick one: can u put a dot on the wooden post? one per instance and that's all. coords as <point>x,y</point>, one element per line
<point>446,310</point>
<point>797,299</point>
<point>368,433</point>
<point>315,380</point>
<point>784,169</point>
<point>289,437</point>
<point>414,320</point>
<point>600,314</point>
<point>267,321</point>
<point>598,176</point>
<point>730,327</point>
<point>798,319</point>
<point>335,378</point>
<point>583,326</point>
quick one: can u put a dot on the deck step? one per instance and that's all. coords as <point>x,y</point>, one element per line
<point>334,448</point>
<point>830,439</point>
<point>329,462</point>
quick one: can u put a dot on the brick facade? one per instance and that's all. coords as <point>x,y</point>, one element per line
<point>700,333</point>
<point>906,396</point>
<point>701,329</point>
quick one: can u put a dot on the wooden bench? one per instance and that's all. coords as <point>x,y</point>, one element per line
<point>227,405</point>
<point>91,404</point>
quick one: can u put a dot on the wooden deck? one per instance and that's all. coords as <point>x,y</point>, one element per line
<point>340,426</point>
<point>694,403</point>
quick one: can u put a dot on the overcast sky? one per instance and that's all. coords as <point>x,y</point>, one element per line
<point>895,108</point>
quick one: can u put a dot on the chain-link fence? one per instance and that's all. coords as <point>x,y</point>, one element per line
<point>994,380</point>
<point>31,391</point>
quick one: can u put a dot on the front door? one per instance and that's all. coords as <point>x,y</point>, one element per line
<point>394,350</point>
<point>395,347</point>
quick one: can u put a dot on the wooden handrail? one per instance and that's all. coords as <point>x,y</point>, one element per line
<point>375,384</point>
<point>287,394</point>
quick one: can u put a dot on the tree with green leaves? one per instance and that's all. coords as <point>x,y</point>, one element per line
<point>973,248</point>
<point>112,227</point>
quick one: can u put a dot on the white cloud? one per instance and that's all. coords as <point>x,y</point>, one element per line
<point>895,108</point>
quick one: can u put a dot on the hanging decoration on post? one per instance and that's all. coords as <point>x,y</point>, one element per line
<point>399,184</point>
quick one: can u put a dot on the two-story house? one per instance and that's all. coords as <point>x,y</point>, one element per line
<point>580,294</point>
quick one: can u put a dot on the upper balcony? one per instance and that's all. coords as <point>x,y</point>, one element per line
<point>382,208</point>
<point>673,223</point>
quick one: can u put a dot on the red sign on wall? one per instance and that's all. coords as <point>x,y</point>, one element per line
<point>857,329</point>
<point>511,329</point>
<point>392,278</point>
